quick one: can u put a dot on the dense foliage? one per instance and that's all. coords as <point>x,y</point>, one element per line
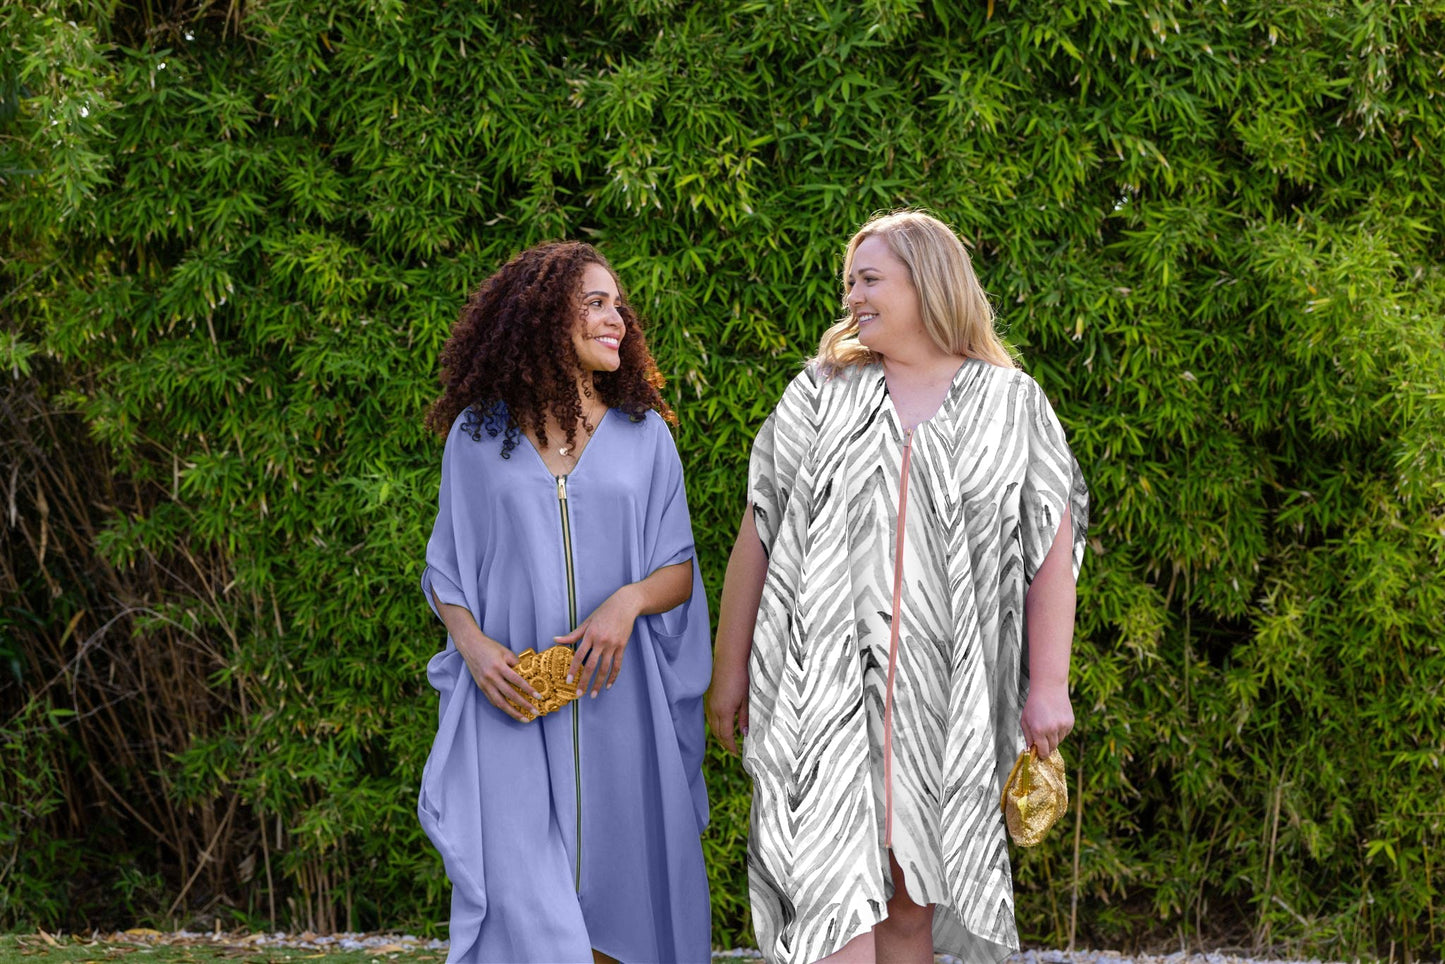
<point>234,236</point>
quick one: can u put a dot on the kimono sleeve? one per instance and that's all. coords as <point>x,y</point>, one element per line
<point>668,538</point>
<point>442,575</point>
<point>669,524</point>
<point>1052,482</point>
<point>779,451</point>
<point>681,639</point>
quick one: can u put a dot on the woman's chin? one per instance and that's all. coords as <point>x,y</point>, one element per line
<point>603,366</point>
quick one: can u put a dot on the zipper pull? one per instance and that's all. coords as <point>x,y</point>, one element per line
<point>561,488</point>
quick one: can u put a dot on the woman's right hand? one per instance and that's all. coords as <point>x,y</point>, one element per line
<point>491,665</point>
<point>727,707</point>
<point>727,697</point>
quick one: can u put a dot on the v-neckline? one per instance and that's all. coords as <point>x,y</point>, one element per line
<point>892,406</point>
<point>606,413</point>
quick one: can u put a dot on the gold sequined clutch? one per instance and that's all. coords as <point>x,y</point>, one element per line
<point>1034,796</point>
<point>547,672</point>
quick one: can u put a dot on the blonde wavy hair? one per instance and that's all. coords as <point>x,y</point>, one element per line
<point>956,311</point>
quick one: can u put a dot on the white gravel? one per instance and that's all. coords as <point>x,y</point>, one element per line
<point>1078,957</point>
<point>401,943</point>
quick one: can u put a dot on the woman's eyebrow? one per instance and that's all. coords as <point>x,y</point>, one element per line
<point>589,294</point>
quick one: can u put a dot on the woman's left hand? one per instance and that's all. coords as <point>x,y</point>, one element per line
<point>600,640</point>
<point>1048,717</point>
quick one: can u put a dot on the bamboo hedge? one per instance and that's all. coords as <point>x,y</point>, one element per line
<point>233,237</point>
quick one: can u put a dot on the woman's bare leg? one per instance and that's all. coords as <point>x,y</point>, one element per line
<point>905,936</point>
<point>857,951</point>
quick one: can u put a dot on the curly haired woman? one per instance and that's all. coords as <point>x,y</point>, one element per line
<point>572,836</point>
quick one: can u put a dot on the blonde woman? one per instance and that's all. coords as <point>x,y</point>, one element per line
<point>913,504</point>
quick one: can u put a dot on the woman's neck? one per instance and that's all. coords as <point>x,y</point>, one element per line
<point>923,368</point>
<point>591,408</point>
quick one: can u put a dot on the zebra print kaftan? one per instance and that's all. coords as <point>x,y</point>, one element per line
<point>989,477</point>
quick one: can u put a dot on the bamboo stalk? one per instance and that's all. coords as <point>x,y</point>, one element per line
<point>270,881</point>
<point>205,855</point>
<point>1078,836</point>
<point>1264,928</point>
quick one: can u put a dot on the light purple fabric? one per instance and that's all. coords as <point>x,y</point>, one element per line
<point>497,796</point>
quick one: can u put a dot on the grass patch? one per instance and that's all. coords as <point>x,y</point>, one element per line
<point>54,949</point>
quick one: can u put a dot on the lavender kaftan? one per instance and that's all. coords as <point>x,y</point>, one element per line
<point>499,797</point>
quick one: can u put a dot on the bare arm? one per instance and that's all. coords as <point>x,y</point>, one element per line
<point>667,588</point>
<point>1048,716</point>
<point>490,662</point>
<point>727,697</point>
<point>602,637</point>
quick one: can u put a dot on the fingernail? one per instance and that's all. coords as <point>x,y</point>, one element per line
<point>580,691</point>
<point>745,731</point>
<point>609,686</point>
<point>569,679</point>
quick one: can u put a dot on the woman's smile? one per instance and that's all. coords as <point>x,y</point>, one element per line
<point>598,334</point>
<point>882,300</point>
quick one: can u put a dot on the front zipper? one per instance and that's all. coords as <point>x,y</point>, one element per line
<point>893,642</point>
<point>576,704</point>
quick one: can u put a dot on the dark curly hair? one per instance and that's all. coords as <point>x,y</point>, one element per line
<point>510,358</point>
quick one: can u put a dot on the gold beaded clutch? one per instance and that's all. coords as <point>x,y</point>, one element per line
<point>1034,796</point>
<point>547,672</point>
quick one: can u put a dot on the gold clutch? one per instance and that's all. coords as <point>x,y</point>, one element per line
<point>1034,796</point>
<point>547,672</point>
